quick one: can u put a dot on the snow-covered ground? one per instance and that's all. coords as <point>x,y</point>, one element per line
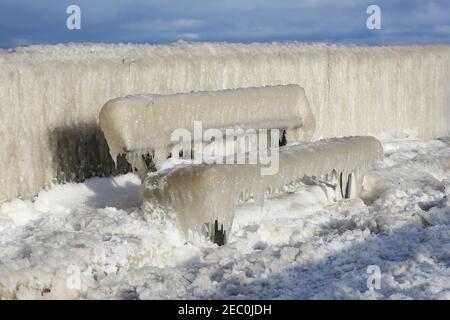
<point>91,240</point>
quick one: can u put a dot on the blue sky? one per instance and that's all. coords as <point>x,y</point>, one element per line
<point>164,21</point>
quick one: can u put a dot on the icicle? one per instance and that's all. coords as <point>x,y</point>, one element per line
<point>115,157</point>
<point>136,161</point>
<point>160,155</point>
<point>344,183</point>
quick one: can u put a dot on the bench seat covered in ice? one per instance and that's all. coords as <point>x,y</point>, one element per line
<point>205,193</point>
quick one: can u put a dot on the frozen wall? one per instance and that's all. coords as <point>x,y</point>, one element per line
<point>50,96</point>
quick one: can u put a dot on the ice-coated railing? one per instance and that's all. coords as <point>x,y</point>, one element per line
<point>50,96</point>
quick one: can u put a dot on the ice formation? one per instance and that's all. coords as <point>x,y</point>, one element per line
<point>50,96</point>
<point>138,125</point>
<point>203,194</point>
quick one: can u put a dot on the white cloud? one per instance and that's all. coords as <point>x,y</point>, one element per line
<point>164,25</point>
<point>186,23</point>
<point>189,36</point>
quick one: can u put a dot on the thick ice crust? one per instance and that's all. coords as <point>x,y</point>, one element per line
<point>202,194</point>
<point>142,124</point>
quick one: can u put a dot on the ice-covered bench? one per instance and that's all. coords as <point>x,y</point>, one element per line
<point>204,196</point>
<point>141,125</point>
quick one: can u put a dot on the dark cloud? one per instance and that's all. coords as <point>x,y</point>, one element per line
<point>44,21</point>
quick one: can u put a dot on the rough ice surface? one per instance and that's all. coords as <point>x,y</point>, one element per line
<point>302,245</point>
<point>205,193</point>
<point>143,124</point>
<point>50,96</point>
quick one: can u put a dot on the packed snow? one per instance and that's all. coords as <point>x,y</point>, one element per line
<point>50,96</point>
<point>91,240</point>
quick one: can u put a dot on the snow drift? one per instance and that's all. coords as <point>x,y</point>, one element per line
<point>50,96</point>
